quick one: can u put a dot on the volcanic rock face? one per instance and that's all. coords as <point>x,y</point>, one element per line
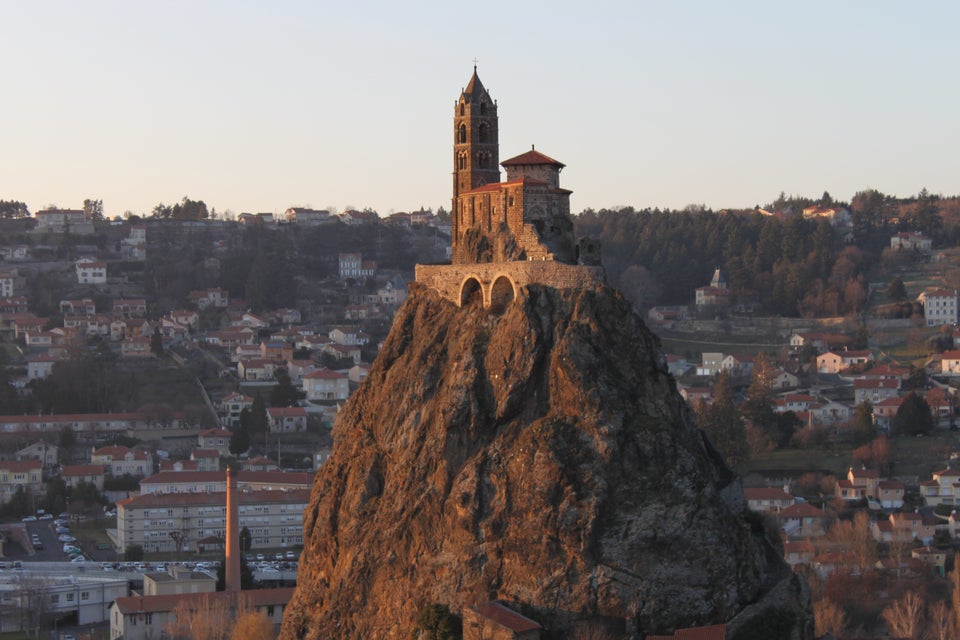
<point>542,457</point>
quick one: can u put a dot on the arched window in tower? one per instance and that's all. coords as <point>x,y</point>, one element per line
<point>461,108</point>
<point>483,132</point>
<point>462,161</point>
<point>483,108</point>
<point>463,133</point>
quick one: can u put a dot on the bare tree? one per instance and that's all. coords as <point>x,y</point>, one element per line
<point>855,538</point>
<point>829,617</point>
<point>904,617</point>
<point>252,625</point>
<point>941,622</point>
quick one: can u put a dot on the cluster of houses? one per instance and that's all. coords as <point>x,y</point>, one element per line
<point>881,384</point>
<point>805,528</point>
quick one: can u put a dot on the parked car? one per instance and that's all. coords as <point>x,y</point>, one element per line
<point>29,519</point>
<point>291,555</point>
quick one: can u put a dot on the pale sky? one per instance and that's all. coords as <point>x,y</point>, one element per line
<point>259,106</point>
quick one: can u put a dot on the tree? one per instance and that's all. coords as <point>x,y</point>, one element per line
<point>252,625</point>
<point>133,553</point>
<point>156,342</point>
<point>179,538</point>
<point>437,623</point>
<point>258,422</point>
<point>13,209</point>
<point>246,576</point>
<point>941,622</point>
<point>855,536</point>
<point>828,617</point>
<point>896,290</point>
<point>239,441</point>
<point>722,423</point>
<point>283,394</point>
<point>93,210</point>
<point>913,417</point>
<point>904,617</point>
<point>861,340</point>
<point>246,540</point>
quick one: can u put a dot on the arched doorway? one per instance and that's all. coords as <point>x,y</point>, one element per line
<point>501,294</point>
<point>471,293</point>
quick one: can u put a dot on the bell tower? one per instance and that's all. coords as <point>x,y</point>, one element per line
<point>476,146</point>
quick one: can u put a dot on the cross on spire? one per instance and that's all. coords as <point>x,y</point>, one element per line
<point>475,61</point>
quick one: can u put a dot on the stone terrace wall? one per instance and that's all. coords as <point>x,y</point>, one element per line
<point>448,280</point>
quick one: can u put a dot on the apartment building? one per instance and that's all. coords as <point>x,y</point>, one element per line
<point>274,518</point>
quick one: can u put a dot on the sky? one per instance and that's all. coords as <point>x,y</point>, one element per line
<point>258,106</point>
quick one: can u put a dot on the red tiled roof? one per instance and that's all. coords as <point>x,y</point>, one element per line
<point>286,412</point>
<point>20,465</point>
<point>155,604</point>
<point>532,157</point>
<point>714,632</point>
<point>259,477</point>
<point>507,618</point>
<point>261,496</point>
<point>766,493</point>
<point>216,432</point>
<point>82,470</point>
<point>802,510</point>
<point>324,374</point>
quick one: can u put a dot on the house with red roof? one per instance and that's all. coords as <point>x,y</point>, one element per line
<point>890,494</point>
<point>944,488</point>
<point>803,521</point>
<point>798,552</point>
<point>324,384</point>
<point>912,240</point>
<point>767,498</point>
<point>950,362</point>
<point>875,390</point>
<point>148,616</point>
<point>287,419</point>
<point>885,410</point>
<point>837,361</point>
<point>20,475</point>
<point>206,459</point>
<point>89,473</point>
<point>90,271</point>
<point>904,527</point>
<point>120,461</point>
<point>218,439</point>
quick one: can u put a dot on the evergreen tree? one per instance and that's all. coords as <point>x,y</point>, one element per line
<point>722,423</point>
<point>913,417</point>
<point>156,342</point>
<point>239,441</point>
<point>283,394</point>
<point>258,420</point>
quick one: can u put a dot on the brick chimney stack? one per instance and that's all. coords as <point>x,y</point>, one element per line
<point>232,560</point>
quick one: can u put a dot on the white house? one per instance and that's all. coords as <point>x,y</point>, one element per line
<point>90,271</point>
<point>324,384</point>
<point>939,307</point>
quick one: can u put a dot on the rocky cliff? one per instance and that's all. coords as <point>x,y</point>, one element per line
<point>542,457</point>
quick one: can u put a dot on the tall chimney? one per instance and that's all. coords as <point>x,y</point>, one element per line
<point>232,559</point>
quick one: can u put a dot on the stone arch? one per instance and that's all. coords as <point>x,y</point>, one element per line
<point>471,292</point>
<point>503,291</point>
